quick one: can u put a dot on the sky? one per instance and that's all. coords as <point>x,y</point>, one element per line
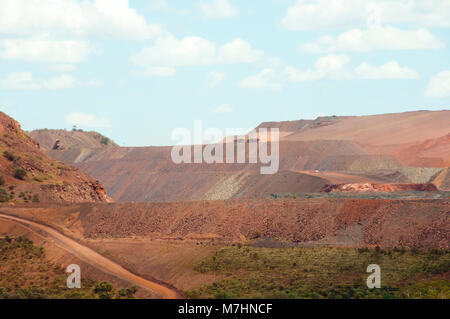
<point>136,70</point>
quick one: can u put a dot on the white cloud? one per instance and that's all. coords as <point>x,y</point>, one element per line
<point>64,67</point>
<point>214,78</point>
<point>336,67</point>
<point>19,81</point>
<point>87,120</point>
<point>321,14</point>
<point>160,71</point>
<point>90,18</point>
<point>330,66</point>
<point>332,63</point>
<point>41,49</point>
<point>218,9</point>
<point>224,108</point>
<point>61,82</point>
<point>170,52</point>
<point>238,51</point>
<point>439,85</point>
<point>25,81</point>
<point>375,38</point>
<point>56,31</point>
<point>390,70</point>
<point>266,79</point>
<point>332,14</point>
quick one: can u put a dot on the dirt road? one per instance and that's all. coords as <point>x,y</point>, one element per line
<point>95,259</point>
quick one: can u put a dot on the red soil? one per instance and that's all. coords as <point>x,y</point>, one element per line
<point>336,222</point>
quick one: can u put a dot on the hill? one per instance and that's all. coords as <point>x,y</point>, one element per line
<point>28,174</point>
<point>418,139</point>
<point>410,147</point>
<point>77,144</point>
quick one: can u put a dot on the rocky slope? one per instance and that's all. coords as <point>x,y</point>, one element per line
<point>67,140</point>
<point>418,139</point>
<point>318,221</point>
<point>30,175</point>
<point>388,148</point>
<point>442,180</point>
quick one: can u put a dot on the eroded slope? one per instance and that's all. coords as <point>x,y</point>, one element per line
<point>30,175</point>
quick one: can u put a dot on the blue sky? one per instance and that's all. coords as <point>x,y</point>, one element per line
<point>136,70</point>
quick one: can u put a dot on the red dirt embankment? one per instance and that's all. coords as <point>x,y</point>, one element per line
<point>373,187</point>
<point>335,222</point>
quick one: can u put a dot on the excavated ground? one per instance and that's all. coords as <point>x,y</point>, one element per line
<point>334,221</point>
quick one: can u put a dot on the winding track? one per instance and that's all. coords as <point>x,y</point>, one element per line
<point>95,259</point>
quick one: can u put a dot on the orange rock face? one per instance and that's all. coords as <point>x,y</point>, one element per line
<point>47,179</point>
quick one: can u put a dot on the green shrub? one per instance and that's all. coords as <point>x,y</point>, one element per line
<point>4,197</point>
<point>20,173</point>
<point>104,290</point>
<point>127,293</point>
<point>104,141</point>
<point>223,295</point>
<point>9,156</point>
